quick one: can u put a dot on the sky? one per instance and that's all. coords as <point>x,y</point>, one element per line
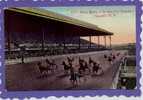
<point>120,20</point>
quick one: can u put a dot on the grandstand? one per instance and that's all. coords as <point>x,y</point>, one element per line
<point>43,33</point>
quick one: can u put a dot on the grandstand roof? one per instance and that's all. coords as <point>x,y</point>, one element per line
<point>34,19</point>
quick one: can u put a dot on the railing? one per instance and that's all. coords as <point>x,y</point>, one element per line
<point>116,78</point>
<point>32,59</point>
<point>116,73</point>
<point>125,73</point>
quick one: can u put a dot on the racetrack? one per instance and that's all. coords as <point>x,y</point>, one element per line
<point>22,77</point>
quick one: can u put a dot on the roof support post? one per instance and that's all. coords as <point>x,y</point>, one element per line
<point>64,42</point>
<point>22,52</point>
<point>90,41</point>
<point>110,41</point>
<point>98,42</point>
<point>43,40</point>
<point>79,43</point>
<point>105,41</point>
<point>64,45</point>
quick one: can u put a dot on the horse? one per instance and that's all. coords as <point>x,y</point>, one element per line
<point>83,65</point>
<point>66,67</point>
<point>42,69</point>
<point>70,60</point>
<point>90,60</point>
<point>52,65</point>
<point>114,57</point>
<point>96,68</point>
<point>110,59</point>
<point>105,56</point>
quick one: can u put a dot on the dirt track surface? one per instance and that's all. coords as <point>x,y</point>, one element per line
<point>26,76</point>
